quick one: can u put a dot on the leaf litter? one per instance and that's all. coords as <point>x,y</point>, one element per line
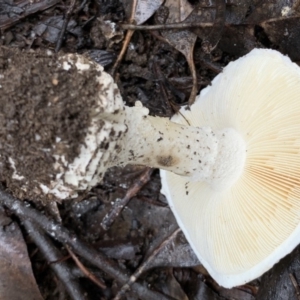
<point>145,225</point>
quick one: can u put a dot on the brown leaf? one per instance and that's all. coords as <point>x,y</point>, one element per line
<point>235,294</point>
<point>273,9</point>
<point>178,253</point>
<point>286,35</point>
<point>16,277</point>
<point>170,286</point>
<point>276,284</point>
<point>179,10</point>
<point>200,291</point>
<point>182,40</point>
<point>236,11</point>
<point>238,40</point>
<point>145,9</point>
<point>49,29</point>
<point>13,11</point>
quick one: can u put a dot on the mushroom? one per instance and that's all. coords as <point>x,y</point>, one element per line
<point>231,160</point>
<point>73,125</point>
<point>240,226</point>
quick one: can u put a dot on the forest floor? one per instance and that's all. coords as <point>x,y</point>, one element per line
<point>163,69</point>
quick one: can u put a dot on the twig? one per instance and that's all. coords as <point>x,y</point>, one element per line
<point>64,26</point>
<point>126,40</point>
<point>51,254</point>
<point>61,234</point>
<point>85,271</point>
<point>133,10</point>
<point>119,204</point>
<point>278,19</point>
<point>295,284</point>
<point>144,265</point>
<point>194,90</point>
<point>167,26</point>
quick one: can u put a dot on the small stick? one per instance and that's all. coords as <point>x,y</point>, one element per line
<point>194,90</point>
<point>61,234</point>
<point>119,204</point>
<point>142,267</point>
<point>127,39</point>
<point>169,26</point>
<point>51,254</point>
<point>85,271</point>
<point>64,27</point>
<point>295,284</point>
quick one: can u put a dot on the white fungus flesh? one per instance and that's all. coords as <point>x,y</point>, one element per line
<point>198,153</point>
<point>89,166</point>
<point>240,230</point>
<point>153,141</point>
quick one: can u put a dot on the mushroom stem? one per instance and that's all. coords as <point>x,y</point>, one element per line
<point>216,157</point>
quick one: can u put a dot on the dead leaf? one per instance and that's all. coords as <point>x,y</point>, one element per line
<point>179,10</point>
<point>178,253</point>
<point>13,11</point>
<point>170,286</point>
<point>140,11</point>
<point>238,40</point>
<point>273,9</point>
<point>235,294</point>
<point>145,9</point>
<point>182,40</point>
<point>276,283</point>
<point>286,34</point>
<point>236,11</point>
<point>50,28</point>
<point>16,277</point>
<point>200,291</point>
<point>102,57</point>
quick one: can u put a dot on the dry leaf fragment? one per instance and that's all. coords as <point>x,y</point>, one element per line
<point>237,10</point>
<point>141,10</point>
<point>273,9</point>
<point>179,10</point>
<point>145,9</point>
<point>49,29</point>
<point>176,254</point>
<point>182,40</point>
<point>168,284</point>
<point>276,284</point>
<point>16,277</point>
<point>286,34</point>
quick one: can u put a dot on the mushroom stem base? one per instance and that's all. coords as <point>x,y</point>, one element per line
<point>202,154</point>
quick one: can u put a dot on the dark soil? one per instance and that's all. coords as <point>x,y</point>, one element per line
<point>45,111</point>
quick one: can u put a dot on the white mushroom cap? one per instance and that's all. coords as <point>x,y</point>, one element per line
<point>241,230</point>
